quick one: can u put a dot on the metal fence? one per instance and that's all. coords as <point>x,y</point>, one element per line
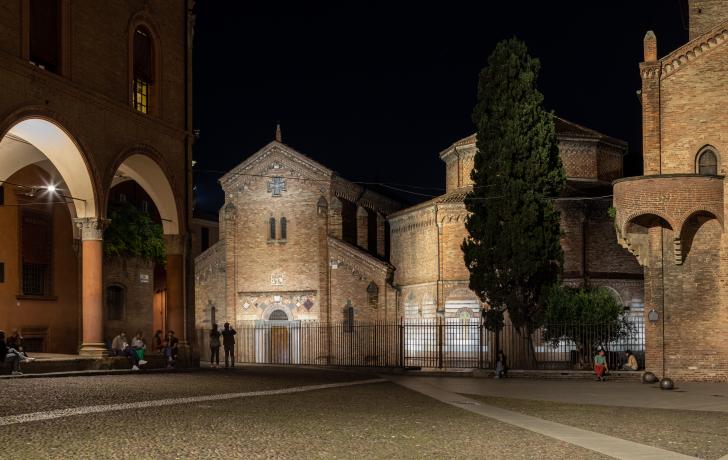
<point>436,343</point>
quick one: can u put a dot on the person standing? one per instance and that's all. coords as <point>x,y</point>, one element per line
<point>228,342</point>
<point>214,346</point>
<point>600,365</point>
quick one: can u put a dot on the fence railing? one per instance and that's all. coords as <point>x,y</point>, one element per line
<point>436,343</point>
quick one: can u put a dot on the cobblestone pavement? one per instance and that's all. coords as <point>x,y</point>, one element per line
<point>696,433</point>
<point>366,421</point>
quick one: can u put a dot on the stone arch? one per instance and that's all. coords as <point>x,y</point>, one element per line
<point>270,308</point>
<point>617,296</point>
<point>38,138</point>
<point>144,166</point>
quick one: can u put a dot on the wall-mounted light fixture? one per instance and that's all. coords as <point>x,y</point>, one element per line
<point>653,316</point>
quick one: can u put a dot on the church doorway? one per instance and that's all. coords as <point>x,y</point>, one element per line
<point>279,343</point>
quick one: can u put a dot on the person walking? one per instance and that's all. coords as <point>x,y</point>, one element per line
<point>214,346</point>
<point>228,342</point>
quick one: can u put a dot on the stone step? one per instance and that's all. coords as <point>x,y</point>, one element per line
<point>81,363</point>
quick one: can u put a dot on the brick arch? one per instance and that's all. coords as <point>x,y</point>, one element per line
<point>686,233</point>
<point>51,134</point>
<point>148,168</point>
<point>637,214</point>
<point>715,214</point>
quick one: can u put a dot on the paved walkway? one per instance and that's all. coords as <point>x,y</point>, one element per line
<point>687,396</point>
<point>608,445</point>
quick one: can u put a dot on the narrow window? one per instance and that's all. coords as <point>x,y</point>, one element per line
<point>372,295</point>
<point>284,230</point>
<point>45,34</point>
<point>36,249</point>
<point>122,197</point>
<point>143,70</point>
<point>2,272</point>
<point>204,238</point>
<point>707,163</point>
<point>114,303</point>
<point>349,317</point>
<point>145,206</point>
<point>2,195</point>
<point>272,228</point>
<point>213,312</point>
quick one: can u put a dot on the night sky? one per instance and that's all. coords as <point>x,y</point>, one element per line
<point>375,90</point>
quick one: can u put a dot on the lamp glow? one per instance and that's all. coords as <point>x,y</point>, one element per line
<point>51,188</point>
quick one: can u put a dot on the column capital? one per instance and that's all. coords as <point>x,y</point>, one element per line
<point>174,244</point>
<point>92,228</point>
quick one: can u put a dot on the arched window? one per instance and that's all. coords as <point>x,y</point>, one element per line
<point>272,228</point>
<point>284,230</point>
<point>372,295</point>
<point>349,317</point>
<point>707,162</point>
<point>143,70</point>
<point>115,302</point>
<point>278,315</point>
<point>213,314</point>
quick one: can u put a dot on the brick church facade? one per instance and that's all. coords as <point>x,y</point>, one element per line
<point>426,238</point>
<point>672,217</point>
<point>297,243</point>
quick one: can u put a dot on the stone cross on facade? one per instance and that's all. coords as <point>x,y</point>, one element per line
<point>276,186</point>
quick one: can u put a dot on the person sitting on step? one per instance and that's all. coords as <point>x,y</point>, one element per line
<point>631,364</point>
<point>600,366</point>
<point>9,355</point>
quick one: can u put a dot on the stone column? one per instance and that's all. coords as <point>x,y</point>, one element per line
<point>92,236</point>
<point>362,225</point>
<point>380,235</point>
<point>175,286</point>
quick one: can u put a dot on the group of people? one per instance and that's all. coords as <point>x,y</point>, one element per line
<point>601,368</point>
<point>135,349</point>
<point>228,343</point>
<point>11,351</point>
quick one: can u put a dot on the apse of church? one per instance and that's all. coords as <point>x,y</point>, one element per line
<point>297,243</point>
<point>426,239</point>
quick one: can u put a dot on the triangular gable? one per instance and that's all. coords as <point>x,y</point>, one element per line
<point>261,161</point>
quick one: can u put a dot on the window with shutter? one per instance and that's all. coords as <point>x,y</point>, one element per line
<point>36,251</point>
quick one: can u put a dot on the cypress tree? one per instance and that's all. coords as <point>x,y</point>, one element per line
<point>513,249</point>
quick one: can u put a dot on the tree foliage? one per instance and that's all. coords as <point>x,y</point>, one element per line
<point>588,316</point>
<point>513,249</point>
<point>132,233</point>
